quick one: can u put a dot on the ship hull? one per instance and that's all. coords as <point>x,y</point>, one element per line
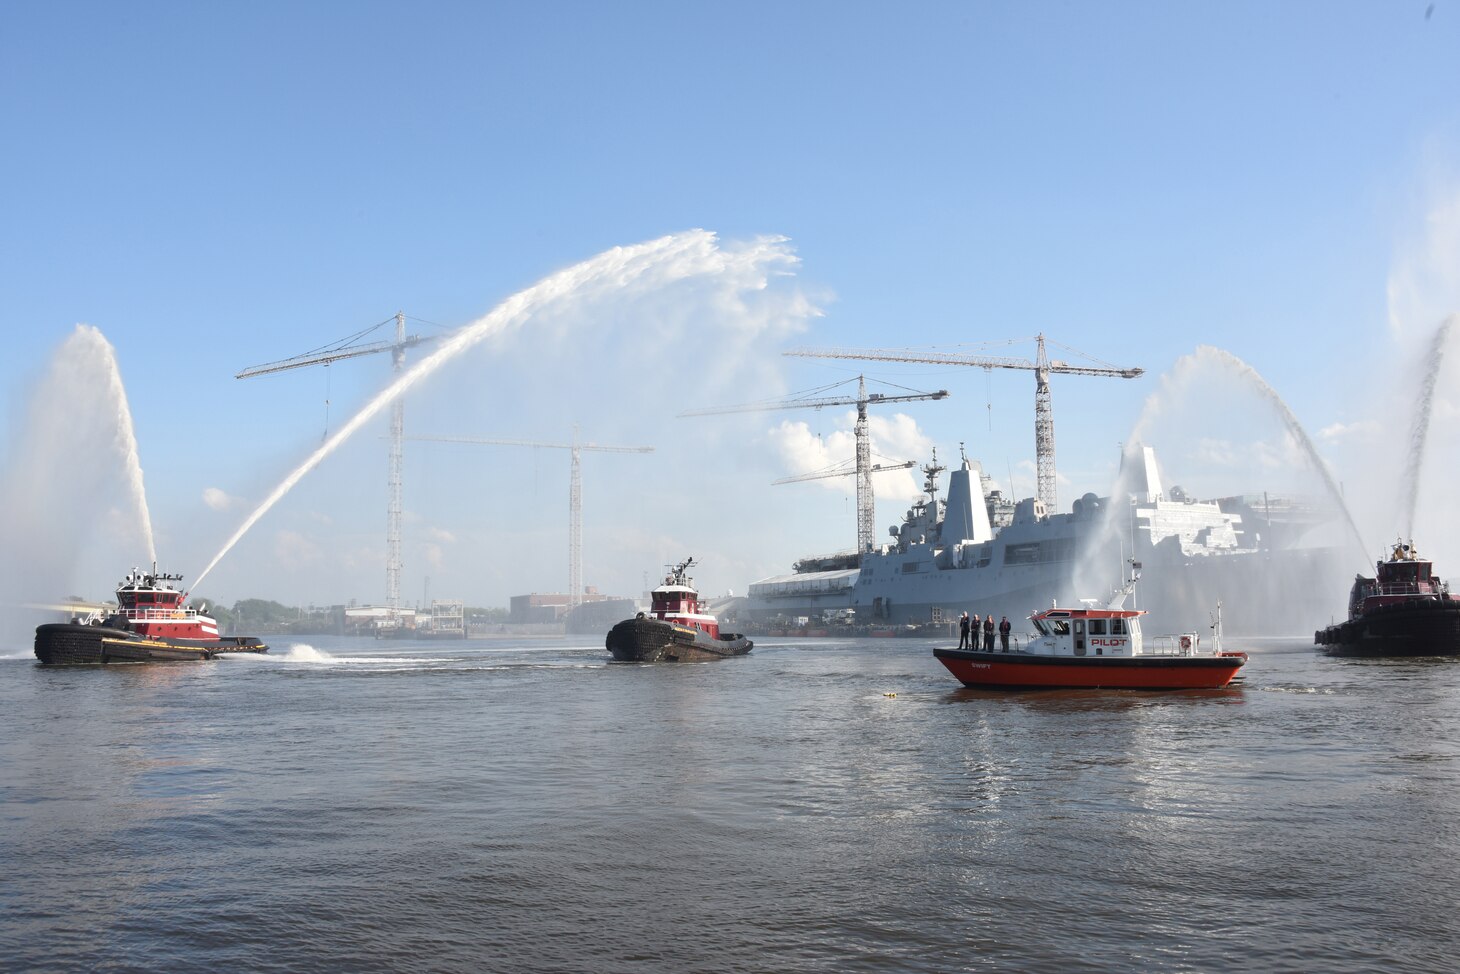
<point>652,641</point>
<point>1018,671</point>
<point>75,644</point>
<point>1418,628</point>
<point>1256,590</point>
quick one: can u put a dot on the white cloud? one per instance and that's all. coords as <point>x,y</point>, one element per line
<point>433,557</point>
<point>893,439</point>
<point>1363,430</point>
<point>218,499</point>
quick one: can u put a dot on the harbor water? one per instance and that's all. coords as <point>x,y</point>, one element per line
<point>818,805</point>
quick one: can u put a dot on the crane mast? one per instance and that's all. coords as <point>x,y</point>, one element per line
<point>575,493</point>
<point>866,503</point>
<point>397,454</point>
<point>866,500</point>
<point>1042,367</point>
<point>347,349</point>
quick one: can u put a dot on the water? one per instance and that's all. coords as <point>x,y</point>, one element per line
<point>1211,356</point>
<point>72,498</point>
<point>1420,428</point>
<point>1097,572</point>
<point>362,807</point>
<point>624,272</point>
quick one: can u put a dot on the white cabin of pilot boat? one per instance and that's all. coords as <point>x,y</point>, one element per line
<point>1093,631</point>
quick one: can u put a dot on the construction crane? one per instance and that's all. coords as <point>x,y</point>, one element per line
<point>866,501</point>
<point>842,470</point>
<point>343,349</point>
<point>575,494</point>
<point>1041,366</point>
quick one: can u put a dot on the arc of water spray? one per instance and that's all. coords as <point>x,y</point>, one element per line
<point>1419,431</point>
<point>1295,428</point>
<point>641,266</point>
<point>90,337</point>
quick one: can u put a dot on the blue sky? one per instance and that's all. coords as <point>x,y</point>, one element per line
<point>217,185</point>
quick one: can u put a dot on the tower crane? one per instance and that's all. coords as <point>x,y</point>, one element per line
<point>866,501</point>
<point>343,349</point>
<point>1041,366</point>
<point>842,470</point>
<point>575,493</point>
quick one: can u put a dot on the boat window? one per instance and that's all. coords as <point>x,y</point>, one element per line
<point>1117,627</point>
<point>1039,624</point>
<point>1060,627</point>
<point>1097,627</point>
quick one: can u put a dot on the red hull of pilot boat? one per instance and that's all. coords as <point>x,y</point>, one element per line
<point>1024,672</point>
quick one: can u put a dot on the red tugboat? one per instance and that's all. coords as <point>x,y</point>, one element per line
<point>675,629</point>
<point>151,623</point>
<point>1404,610</point>
<point>1098,648</point>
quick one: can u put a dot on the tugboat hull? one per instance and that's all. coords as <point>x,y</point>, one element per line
<point>1412,628</point>
<point>652,641</point>
<point>75,644</point>
<point>1022,671</point>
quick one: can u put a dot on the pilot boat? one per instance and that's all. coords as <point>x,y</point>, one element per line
<point>675,629</point>
<point>151,622</point>
<point>1098,647</point>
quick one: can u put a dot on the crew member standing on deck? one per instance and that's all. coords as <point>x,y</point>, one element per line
<point>988,634</point>
<point>1004,628</point>
<point>963,631</point>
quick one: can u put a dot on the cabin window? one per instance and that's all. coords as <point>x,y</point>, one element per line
<point>1097,627</point>
<point>1060,627</point>
<point>1117,627</point>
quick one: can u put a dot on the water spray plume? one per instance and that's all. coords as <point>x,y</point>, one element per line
<point>1419,432</point>
<point>1231,363</point>
<point>85,365</point>
<point>126,440</point>
<point>622,270</point>
<point>71,488</point>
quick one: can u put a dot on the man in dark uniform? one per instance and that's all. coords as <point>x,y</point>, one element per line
<point>1004,628</point>
<point>988,634</point>
<point>963,631</point>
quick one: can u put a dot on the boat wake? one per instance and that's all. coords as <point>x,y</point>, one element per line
<point>307,655</point>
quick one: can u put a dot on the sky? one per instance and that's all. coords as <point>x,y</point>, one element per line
<point>209,187</point>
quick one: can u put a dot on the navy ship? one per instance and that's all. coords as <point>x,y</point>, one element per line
<point>978,552</point>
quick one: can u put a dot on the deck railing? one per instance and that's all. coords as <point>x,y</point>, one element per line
<point>1187,644</point>
<point>152,614</point>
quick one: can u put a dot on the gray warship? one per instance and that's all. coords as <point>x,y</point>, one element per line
<point>979,552</point>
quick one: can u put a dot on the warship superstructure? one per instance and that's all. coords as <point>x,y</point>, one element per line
<point>976,551</point>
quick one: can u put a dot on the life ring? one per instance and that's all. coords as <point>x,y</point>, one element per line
<point>1185,642</point>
